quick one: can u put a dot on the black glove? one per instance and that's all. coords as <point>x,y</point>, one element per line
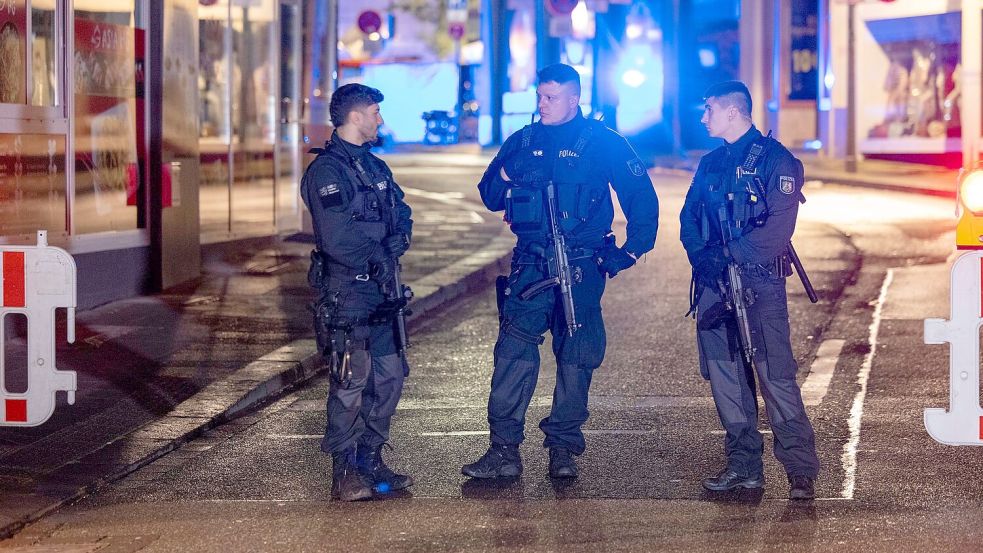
<point>380,266</point>
<point>708,265</point>
<point>396,244</point>
<point>613,259</point>
<point>524,166</point>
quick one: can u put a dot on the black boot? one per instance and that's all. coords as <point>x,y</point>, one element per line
<point>729,480</point>
<point>376,473</point>
<point>346,483</point>
<point>801,487</point>
<point>562,464</point>
<point>499,460</point>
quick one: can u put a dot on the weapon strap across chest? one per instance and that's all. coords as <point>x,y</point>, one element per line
<point>583,138</point>
<point>363,177</point>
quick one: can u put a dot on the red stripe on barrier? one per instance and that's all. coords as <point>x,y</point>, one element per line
<point>13,279</point>
<point>981,428</point>
<point>16,410</point>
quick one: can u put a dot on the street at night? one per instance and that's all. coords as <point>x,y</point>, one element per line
<point>879,262</point>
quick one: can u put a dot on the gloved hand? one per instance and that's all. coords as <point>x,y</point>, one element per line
<point>396,245</point>
<point>524,165</point>
<point>613,259</point>
<point>381,267</point>
<point>708,265</point>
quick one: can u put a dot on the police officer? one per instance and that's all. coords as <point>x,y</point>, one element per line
<point>754,185</point>
<point>581,157</point>
<point>361,227</point>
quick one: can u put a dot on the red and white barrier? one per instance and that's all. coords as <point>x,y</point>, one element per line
<point>34,281</point>
<point>962,424</point>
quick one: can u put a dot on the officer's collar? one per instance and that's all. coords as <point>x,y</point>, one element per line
<point>744,142</point>
<point>563,128</point>
<point>354,149</point>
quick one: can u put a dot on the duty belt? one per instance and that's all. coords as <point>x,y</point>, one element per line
<point>778,265</point>
<point>346,272</point>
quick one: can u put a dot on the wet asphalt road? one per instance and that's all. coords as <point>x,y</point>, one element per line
<point>877,259</point>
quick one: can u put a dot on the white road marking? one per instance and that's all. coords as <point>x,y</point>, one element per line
<point>450,198</point>
<point>821,373</point>
<point>849,457</point>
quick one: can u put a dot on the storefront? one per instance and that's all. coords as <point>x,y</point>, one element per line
<point>895,80</point>
<point>135,131</point>
<point>911,79</point>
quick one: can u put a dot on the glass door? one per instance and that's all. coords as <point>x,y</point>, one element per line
<point>288,168</point>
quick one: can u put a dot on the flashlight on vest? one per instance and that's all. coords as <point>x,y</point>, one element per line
<point>969,230</point>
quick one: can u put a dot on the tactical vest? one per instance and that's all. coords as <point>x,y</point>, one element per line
<point>580,189</point>
<point>372,204</point>
<point>735,192</point>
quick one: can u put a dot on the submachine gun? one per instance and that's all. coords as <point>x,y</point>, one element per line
<point>398,295</point>
<point>735,297</point>
<point>557,262</point>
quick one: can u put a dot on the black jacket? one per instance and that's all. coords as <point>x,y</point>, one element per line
<point>351,218</point>
<point>782,176</point>
<point>582,181</point>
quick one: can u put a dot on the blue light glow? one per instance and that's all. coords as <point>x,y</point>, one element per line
<point>411,90</point>
<point>640,87</point>
<point>708,58</point>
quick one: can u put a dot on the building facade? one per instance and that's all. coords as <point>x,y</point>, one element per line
<point>137,131</point>
<point>868,79</point>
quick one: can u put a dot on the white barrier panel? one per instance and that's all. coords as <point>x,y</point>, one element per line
<point>34,281</point>
<point>962,424</point>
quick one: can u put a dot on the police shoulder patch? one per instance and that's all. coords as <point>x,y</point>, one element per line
<point>786,184</point>
<point>330,195</point>
<point>636,168</point>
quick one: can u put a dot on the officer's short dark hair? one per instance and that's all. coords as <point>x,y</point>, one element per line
<point>733,93</point>
<point>350,97</point>
<point>560,73</point>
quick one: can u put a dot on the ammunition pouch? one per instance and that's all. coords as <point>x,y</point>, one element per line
<point>524,209</point>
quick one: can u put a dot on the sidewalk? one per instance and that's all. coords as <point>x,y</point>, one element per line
<point>154,372</point>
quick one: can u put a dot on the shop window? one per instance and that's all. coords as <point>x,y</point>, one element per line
<point>108,178</point>
<point>44,48</point>
<point>910,90</point>
<point>13,52</point>
<point>238,107</point>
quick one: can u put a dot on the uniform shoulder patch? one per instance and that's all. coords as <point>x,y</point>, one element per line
<point>636,168</point>
<point>786,184</point>
<point>330,195</point>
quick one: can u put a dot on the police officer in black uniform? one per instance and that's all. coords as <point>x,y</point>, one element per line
<point>756,178</point>
<point>361,227</point>
<point>581,157</point>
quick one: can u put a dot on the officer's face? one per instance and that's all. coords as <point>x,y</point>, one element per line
<point>557,103</point>
<point>368,120</point>
<point>717,118</point>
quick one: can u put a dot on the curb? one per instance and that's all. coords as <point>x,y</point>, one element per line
<point>256,383</point>
<point>883,183</point>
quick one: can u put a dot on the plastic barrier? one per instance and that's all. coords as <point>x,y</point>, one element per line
<point>962,424</point>
<point>34,281</point>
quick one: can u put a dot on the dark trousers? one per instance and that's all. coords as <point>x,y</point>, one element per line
<point>523,324</point>
<point>360,413</point>
<point>733,384</point>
